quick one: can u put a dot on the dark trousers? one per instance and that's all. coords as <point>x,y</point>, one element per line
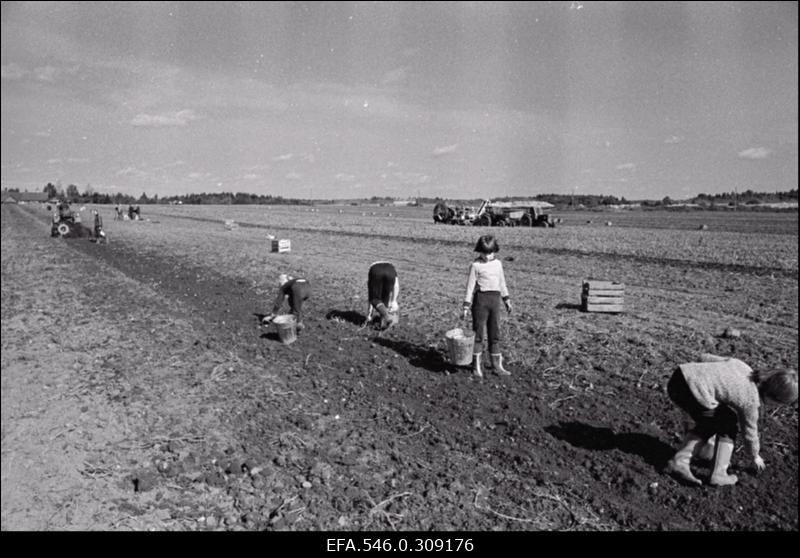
<point>299,292</point>
<point>486,307</point>
<point>721,421</point>
<point>380,283</point>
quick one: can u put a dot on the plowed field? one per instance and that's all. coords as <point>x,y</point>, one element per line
<point>140,392</point>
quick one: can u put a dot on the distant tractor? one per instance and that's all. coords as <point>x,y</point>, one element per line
<point>494,214</point>
<point>67,223</point>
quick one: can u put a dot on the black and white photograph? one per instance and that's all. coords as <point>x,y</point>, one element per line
<point>408,276</point>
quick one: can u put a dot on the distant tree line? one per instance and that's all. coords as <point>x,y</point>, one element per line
<point>561,201</point>
<point>72,194</point>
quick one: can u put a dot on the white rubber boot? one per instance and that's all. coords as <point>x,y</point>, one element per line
<point>497,364</point>
<point>679,464</point>
<point>476,365</point>
<point>386,319</point>
<point>706,451</point>
<point>720,476</point>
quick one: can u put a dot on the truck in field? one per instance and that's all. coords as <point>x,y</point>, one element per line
<point>496,214</point>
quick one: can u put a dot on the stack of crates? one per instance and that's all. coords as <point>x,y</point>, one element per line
<point>282,245</point>
<point>603,296</point>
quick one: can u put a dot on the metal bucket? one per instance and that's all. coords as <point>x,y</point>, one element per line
<point>460,345</point>
<point>286,326</point>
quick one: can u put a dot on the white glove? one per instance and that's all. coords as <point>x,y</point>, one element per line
<point>394,307</point>
<point>268,319</point>
<point>759,463</point>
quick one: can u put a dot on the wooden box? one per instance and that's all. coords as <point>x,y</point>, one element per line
<point>282,245</point>
<point>603,296</point>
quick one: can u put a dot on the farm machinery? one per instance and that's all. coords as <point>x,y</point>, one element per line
<point>495,214</point>
<point>66,223</point>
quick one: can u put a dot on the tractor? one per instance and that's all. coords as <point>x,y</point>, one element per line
<point>67,223</point>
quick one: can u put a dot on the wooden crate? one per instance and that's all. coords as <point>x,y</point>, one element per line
<point>603,296</point>
<point>282,245</point>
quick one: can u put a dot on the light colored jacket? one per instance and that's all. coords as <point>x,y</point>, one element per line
<point>487,276</point>
<point>727,382</point>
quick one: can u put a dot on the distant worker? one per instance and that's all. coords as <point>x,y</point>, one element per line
<point>118,212</point>
<point>297,290</point>
<point>383,292</point>
<point>721,395</point>
<point>130,212</point>
<point>138,212</point>
<point>486,292</point>
<point>99,233</point>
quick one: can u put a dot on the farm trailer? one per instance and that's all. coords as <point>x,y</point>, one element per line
<point>493,214</point>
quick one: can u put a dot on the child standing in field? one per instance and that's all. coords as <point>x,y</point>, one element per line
<point>383,291</point>
<point>486,293</point>
<point>721,395</point>
<point>297,290</point>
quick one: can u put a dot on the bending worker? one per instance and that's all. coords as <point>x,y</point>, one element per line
<point>298,290</point>
<point>383,290</point>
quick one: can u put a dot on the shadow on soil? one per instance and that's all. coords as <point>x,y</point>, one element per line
<point>355,318</point>
<point>568,306</point>
<point>654,452</point>
<point>421,357</point>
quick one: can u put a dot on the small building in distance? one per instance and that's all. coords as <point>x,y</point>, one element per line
<point>23,197</point>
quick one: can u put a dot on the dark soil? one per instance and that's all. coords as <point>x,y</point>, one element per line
<point>379,431</point>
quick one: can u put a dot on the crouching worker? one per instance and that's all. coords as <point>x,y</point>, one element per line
<point>383,291</point>
<point>298,290</point>
<point>99,233</point>
<point>721,395</point>
<point>486,295</point>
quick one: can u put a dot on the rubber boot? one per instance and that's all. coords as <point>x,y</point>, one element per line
<point>720,476</point>
<point>497,364</point>
<point>706,451</point>
<point>679,464</point>
<point>386,319</point>
<point>476,365</point>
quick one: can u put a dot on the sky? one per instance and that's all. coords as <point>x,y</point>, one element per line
<point>640,100</point>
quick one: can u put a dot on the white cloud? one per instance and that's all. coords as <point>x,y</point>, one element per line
<point>626,166</point>
<point>754,153</point>
<point>343,177</point>
<point>44,134</point>
<point>674,139</point>
<point>12,71</point>
<point>131,171</point>
<point>251,176</point>
<point>285,157</point>
<point>46,73</point>
<point>77,160</point>
<point>179,118</point>
<point>197,175</point>
<point>412,177</point>
<point>294,176</point>
<point>55,161</point>
<point>444,150</point>
<point>394,76</point>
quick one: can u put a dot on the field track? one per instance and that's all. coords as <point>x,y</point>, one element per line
<point>354,430</point>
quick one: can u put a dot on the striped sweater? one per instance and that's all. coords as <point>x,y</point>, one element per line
<point>727,382</point>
